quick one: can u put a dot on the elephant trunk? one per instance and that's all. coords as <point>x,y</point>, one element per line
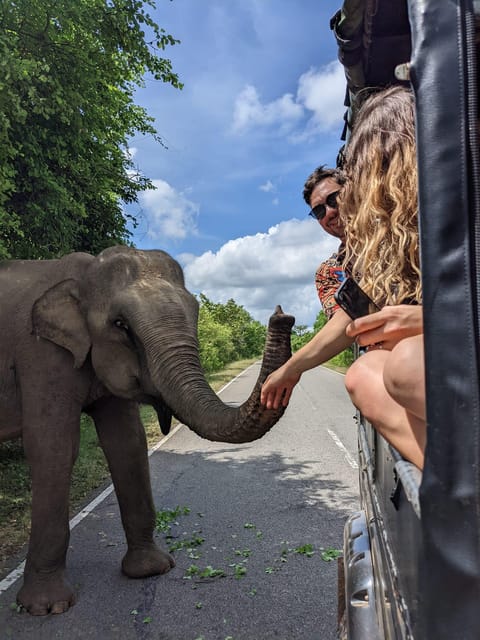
<point>179,379</point>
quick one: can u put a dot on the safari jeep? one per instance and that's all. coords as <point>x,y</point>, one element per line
<point>411,565</point>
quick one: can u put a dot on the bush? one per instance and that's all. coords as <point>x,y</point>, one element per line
<point>226,333</point>
<point>216,344</point>
<point>301,335</point>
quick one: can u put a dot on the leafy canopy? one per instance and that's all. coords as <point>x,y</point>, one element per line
<point>69,70</point>
<point>227,332</point>
<point>301,335</point>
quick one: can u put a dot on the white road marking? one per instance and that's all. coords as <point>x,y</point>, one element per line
<point>348,457</point>
<point>12,577</point>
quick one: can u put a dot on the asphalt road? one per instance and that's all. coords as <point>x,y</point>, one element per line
<point>255,511</point>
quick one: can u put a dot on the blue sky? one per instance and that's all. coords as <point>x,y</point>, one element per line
<point>262,106</point>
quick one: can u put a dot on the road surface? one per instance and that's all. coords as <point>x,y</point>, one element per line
<point>261,513</point>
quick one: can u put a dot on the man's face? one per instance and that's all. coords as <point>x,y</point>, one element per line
<point>331,221</point>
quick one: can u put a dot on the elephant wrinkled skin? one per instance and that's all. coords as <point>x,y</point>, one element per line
<point>99,335</point>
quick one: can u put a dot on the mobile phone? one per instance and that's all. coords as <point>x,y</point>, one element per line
<point>353,300</point>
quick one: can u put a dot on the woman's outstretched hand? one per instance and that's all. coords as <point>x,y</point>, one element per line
<point>388,326</point>
<point>278,387</point>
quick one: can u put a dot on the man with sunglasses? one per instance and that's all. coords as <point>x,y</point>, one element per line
<point>320,193</point>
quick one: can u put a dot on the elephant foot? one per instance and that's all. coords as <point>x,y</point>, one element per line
<point>146,561</point>
<point>44,594</point>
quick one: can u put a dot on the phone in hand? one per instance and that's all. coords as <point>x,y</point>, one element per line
<point>353,300</point>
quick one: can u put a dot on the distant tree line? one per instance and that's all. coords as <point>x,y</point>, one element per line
<point>227,332</point>
<point>301,335</point>
<point>68,73</point>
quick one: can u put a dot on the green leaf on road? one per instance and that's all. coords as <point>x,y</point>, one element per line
<point>306,550</point>
<point>331,554</point>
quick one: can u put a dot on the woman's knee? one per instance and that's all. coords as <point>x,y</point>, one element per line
<point>404,374</point>
<point>353,378</point>
<point>364,382</point>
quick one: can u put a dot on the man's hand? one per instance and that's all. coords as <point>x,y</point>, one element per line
<point>388,326</point>
<point>278,387</point>
<point>328,342</point>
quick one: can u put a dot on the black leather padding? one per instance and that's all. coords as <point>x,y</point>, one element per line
<point>373,37</point>
<point>443,75</point>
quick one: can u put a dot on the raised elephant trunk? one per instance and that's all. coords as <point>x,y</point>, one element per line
<point>184,388</point>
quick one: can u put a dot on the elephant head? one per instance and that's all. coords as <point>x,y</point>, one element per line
<point>131,312</point>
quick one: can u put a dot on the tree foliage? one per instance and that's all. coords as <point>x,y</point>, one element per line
<point>68,70</point>
<point>301,335</point>
<point>227,332</point>
<point>320,321</point>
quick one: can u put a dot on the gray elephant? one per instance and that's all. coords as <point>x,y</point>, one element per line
<point>99,335</point>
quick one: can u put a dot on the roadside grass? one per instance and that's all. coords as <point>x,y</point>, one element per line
<point>336,367</point>
<point>341,362</point>
<point>89,474</point>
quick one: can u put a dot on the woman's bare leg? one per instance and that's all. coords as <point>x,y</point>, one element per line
<point>404,375</point>
<point>365,384</point>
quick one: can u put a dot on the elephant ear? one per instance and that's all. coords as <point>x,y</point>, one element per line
<point>56,316</point>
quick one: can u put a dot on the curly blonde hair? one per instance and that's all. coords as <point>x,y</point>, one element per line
<point>379,203</point>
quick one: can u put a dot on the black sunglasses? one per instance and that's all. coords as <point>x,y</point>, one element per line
<point>320,210</point>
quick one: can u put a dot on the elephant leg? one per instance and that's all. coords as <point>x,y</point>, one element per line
<point>123,440</point>
<point>51,433</point>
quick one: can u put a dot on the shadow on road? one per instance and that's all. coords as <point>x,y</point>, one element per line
<point>261,518</point>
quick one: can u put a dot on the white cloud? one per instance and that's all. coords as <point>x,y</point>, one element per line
<point>322,91</point>
<point>317,106</point>
<point>169,213</point>
<point>264,270</point>
<point>267,187</point>
<point>249,111</point>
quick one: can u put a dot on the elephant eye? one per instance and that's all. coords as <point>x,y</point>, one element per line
<point>121,324</point>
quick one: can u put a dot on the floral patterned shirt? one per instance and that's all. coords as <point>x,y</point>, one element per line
<point>328,277</point>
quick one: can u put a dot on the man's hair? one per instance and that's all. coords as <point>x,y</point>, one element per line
<point>321,173</point>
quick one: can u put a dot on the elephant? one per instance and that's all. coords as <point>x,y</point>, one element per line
<point>101,334</point>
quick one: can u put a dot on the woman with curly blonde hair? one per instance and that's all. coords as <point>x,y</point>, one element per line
<point>378,204</point>
<point>379,208</point>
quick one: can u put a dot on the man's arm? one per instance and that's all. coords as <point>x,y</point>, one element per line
<point>328,342</point>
